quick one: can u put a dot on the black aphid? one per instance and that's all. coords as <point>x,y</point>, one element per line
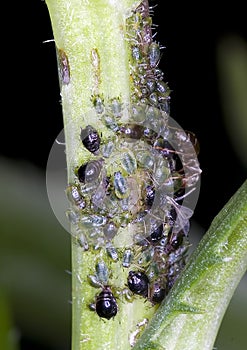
<point>157,293</point>
<point>89,172</point>
<point>132,131</point>
<point>90,138</point>
<point>138,283</point>
<point>106,305</point>
<point>150,195</point>
<point>168,152</point>
<point>156,235</point>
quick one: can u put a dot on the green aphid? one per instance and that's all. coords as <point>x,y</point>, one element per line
<point>127,258</point>
<point>102,272</point>
<point>161,172</point>
<point>120,185</point>
<point>110,122</point>
<point>116,107</point>
<point>98,103</point>
<point>93,220</point>
<point>128,162</point>
<point>154,54</point>
<point>145,159</point>
<point>107,149</point>
<point>136,53</point>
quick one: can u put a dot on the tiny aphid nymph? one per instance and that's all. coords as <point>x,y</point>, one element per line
<point>127,257</point>
<point>63,67</point>
<point>120,185</point>
<point>154,54</point>
<point>102,272</point>
<point>75,197</point>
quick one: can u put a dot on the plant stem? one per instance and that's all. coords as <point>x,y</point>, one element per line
<point>93,61</point>
<point>108,63</point>
<point>190,316</point>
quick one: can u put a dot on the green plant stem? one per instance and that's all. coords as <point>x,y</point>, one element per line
<point>81,28</point>
<point>190,316</point>
<point>93,59</point>
<point>90,40</point>
<point>8,335</point>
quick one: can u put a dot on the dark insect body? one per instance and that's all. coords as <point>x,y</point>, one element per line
<point>89,172</point>
<point>150,195</point>
<point>156,235</point>
<point>138,283</point>
<point>106,305</point>
<point>157,293</point>
<point>90,139</point>
<point>132,131</point>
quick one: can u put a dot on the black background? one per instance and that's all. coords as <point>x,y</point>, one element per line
<point>190,34</point>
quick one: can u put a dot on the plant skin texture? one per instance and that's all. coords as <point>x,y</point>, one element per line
<point>129,170</point>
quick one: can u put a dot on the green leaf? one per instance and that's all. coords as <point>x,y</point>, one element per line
<point>232,71</point>
<point>8,334</point>
<point>34,256</point>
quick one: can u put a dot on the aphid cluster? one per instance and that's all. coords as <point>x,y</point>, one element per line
<point>136,178</point>
<point>147,78</point>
